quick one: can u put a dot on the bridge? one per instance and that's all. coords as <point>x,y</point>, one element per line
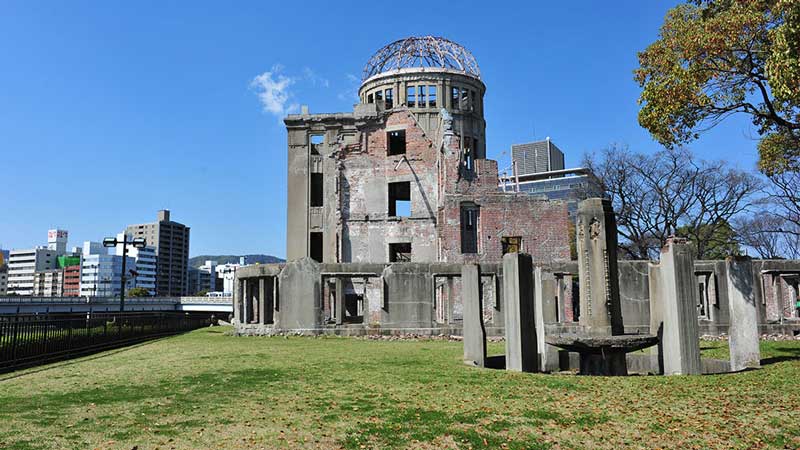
<point>42,305</point>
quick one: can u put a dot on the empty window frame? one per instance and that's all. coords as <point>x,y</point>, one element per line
<point>422,98</point>
<point>511,244</point>
<point>369,99</point>
<point>465,100</point>
<point>455,96</point>
<point>400,252</point>
<point>469,155</point>
<point>378,97</point>
<point>316,190</point>
<point>472,101</point>
<point>315,246</point>
<point>316,142</point>
<point>389,99</point>
<point>411,96</point>
<point>400,199</point>
<point>432,96</point>
<point>396,142</point>
<point>469,228</point>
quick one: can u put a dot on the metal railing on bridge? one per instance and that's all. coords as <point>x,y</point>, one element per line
<point>31,339</point>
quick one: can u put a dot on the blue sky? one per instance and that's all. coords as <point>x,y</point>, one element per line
<point>112,110</point>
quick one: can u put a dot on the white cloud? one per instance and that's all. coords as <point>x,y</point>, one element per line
<point>273,91</point>
<point>350,94</point>
<point>315,79</point>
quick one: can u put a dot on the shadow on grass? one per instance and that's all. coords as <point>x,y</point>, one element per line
<point>793,355</point>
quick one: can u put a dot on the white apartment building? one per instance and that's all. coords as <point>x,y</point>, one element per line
<point>23,264</point>
<point>48,283</point>
<point>146,265</point>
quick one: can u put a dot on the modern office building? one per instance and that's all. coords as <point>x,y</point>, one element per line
<point>3,279</point>
<point>72,281</point>
<point>101,273</point>
<point>570,185</point>
<point>146,265</point>
<point>57,241</point>
<point>171,242</point>
<point>23,264</point>
<point>48,283</point>
<point>204,278</point>
<point>227,274</point>
<point>536,157</point>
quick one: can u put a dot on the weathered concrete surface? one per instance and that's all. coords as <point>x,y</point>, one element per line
<point>300,309</point>
<point>600,309</point>
<point>673,310</point>
<point>474,331</point>
<point>545,312</point>
<point>743,330</point>
<point>521,344</point>
<point>409,286</point>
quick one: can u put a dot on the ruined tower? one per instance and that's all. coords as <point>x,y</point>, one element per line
<point>404,177</point>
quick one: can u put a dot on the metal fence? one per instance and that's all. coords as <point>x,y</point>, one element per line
<point>30,339</point>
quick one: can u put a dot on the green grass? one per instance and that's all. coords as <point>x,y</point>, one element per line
<point>206,389</point>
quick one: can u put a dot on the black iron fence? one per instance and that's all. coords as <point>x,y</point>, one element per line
<point>30,339</point>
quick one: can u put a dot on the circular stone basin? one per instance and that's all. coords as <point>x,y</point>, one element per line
<point>624,343</point>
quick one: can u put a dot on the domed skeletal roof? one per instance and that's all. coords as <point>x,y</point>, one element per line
<point>422,51</point>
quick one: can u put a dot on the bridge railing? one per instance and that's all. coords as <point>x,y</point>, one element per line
<point>30,339</point>
<point>112,300</point>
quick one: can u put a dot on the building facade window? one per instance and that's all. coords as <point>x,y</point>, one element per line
<point>397,142</point>
<point>389,99</point>
<point>511,244</point>
<point>469,228</point>
<point>432,96</point>
<point>411,96</point>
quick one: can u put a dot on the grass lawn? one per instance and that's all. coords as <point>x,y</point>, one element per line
<point>206,389</point>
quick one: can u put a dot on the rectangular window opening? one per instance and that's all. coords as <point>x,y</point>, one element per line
<point>400,252</point>
<point>511,244</point>
<point>469,229</point>
<point>432,96</point>
<point>421,101</point>
<point>316,190</point>
<point>315,246</point>
<point>411,96</point>
<point>397,142</point>
<point>455,97</point>
<point>389,99</point>
<point>465,102</point>
<point>378,96</point>
<point>369,99</point>
<point>400,199</point>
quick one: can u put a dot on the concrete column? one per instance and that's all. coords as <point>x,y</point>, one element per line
<point>262,296</point>
<point>339,302</point>
<point>521,347</point>
<point>245,301</point>
<point>743,330</point>
<point>545,313</point>
<point>673,310</point>
<point>601,312</point>
<point>474,330</point>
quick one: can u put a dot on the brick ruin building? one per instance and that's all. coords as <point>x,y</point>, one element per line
<point>386,205</point>
<point>404,177</point>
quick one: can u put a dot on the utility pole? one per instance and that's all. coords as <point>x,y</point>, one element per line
<point>113,242</point>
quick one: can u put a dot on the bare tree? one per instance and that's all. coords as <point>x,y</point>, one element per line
<point>784,194</point>
<point>655,195</point>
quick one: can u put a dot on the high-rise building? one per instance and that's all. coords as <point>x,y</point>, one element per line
<point>101,273</point>
<point>48,283</point>
<point>23,264</point>
<point>536,157</point>
<point>204,278</point>
<point>57,241</point>
<point>146,265</point>
<point>3,279</point>
<point>171,242</point>
<point>227,274</point>
<point>72,281</point>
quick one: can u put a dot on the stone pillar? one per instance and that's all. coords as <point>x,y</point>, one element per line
<point>545,313</point>
<point>473,329</point>
<point>673,310</point>
<point>262,296</point>
<point>521,347</point>
<point>601,312</point>
<point>301,300</point>
<point>253,297</point>
<point>339,302</point>
<point>743,330</point>
<point>245,301</point>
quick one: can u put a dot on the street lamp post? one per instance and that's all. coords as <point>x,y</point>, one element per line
<point>113,242</point>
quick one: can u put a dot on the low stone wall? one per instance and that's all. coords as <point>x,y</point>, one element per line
<point>357,299</point>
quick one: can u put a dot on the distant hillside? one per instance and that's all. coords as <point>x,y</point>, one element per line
<point>198,261</point>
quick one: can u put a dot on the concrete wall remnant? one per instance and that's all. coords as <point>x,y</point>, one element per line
<point>522,351</point>
<point>743,330</point>
<point>474,331</point>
